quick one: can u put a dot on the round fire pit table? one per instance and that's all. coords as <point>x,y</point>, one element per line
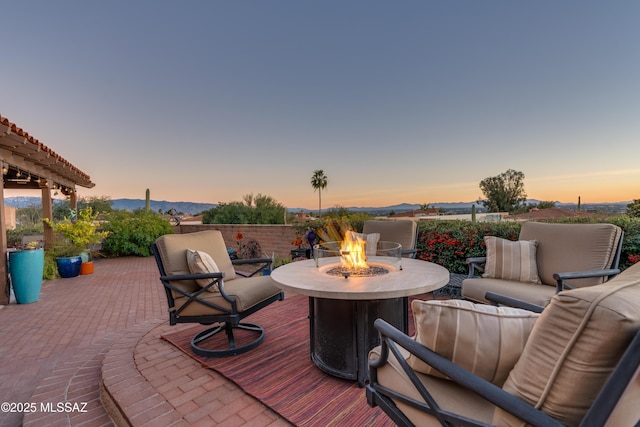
<point>342,310</point>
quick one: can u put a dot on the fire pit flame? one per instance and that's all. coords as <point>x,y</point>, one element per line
<point>352,258</point>
<point>352,252</point>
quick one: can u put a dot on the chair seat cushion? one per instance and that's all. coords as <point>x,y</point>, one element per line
<point>246,291</point>
<point>484,339</point>
<point>476,288</point>
<point>449,395</point>
<point>511,260</point>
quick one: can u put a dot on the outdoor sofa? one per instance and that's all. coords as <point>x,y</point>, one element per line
<point>546,259</point>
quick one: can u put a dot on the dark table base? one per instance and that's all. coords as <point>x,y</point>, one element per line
<point>342,333</point>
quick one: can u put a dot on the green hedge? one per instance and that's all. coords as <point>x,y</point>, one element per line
<point>131,233</point>
<point>450,243</point>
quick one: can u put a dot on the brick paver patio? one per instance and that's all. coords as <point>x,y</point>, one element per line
<point>106,327</point>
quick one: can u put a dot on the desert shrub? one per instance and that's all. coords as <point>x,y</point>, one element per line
<point>14,236</point>
<point>131,233</point>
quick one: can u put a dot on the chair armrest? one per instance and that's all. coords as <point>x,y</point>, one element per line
<point>390,337</point>
<point>266,262</point>
<point>476,264</point>
<point>219,275</point>
<point>561,278</point>
<point>500,299</point>
<point>216,276</point>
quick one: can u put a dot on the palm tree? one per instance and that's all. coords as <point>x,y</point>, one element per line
<point>319,182</point>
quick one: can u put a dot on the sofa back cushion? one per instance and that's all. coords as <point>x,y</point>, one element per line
<point>572,247</point>
<point>574,346</point>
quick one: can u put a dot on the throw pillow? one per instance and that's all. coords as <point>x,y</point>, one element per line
<point>371,240</point>
<point>484,339</point>
<point>511,260</point>
<point>201,262</point>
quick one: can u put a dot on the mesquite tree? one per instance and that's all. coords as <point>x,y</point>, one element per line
<point>505,192</point>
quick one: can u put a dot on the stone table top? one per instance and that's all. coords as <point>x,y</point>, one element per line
<point>415,277</point>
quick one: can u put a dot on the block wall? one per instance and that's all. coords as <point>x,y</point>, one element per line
<point>273,239</point>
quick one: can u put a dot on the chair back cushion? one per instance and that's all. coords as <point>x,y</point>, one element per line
<point>403,232</point>
<point>173,253</point>
<point>574,346</point>
<point>572,247</point>
<point>371,241</point>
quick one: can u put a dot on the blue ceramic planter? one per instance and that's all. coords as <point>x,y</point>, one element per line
<point>69,267</point>
<point>26,268</point>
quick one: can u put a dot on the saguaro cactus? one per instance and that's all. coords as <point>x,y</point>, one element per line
<point>147,202</point>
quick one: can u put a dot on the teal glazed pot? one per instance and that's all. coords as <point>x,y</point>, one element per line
<point>69,266</point>
<point>26,269</point>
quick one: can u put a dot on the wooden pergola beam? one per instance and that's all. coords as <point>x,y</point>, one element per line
<point>43,170</point>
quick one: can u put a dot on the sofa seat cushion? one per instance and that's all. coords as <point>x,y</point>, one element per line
<point>574,346</point>
<point>246,291</point>
<point>447,394</point>
<point>511,260</point>
<point>476,288</point>
<point>483,339</point>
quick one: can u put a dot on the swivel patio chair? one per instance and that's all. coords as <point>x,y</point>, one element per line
<point>404,232</point>
<point>202,286</point>
<point>577,364</point>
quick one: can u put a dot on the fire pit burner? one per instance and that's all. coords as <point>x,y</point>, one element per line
<point>357,272</point>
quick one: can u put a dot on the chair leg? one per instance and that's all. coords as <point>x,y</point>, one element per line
<point>232,349</point>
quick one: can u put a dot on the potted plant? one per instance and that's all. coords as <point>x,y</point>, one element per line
<point>26,267</point>
<point>75,237</point>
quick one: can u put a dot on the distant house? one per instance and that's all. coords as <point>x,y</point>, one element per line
<point>303,217</point>
<point>553,213</point>
<point>9,217</point>
<point>417,213</point>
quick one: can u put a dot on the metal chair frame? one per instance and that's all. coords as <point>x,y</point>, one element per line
<point>381,396</point>
<point>227,321</point>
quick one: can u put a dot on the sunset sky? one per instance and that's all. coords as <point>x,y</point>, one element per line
<point>397,101</point>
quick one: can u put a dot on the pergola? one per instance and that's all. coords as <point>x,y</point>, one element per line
<point>28,164</point>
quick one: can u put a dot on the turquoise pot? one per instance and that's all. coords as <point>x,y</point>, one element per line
<point>26,269</point>
<point>69,266</point>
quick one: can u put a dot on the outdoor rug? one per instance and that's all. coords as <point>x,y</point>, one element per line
<point>282,376</point>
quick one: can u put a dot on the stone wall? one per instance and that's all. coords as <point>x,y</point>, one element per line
<point>273,239</point>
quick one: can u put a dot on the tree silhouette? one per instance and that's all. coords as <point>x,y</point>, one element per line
<point>319,182</point>
<point>505,192</point>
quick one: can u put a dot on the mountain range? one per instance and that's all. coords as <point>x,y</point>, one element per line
<point>193,208</point>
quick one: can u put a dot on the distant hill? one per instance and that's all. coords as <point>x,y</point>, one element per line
<point>184,207</point>
<point>123,204</point>
<point>195,208</point>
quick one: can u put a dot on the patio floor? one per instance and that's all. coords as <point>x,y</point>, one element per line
<point>88,353</point>
<point>105,327</point>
